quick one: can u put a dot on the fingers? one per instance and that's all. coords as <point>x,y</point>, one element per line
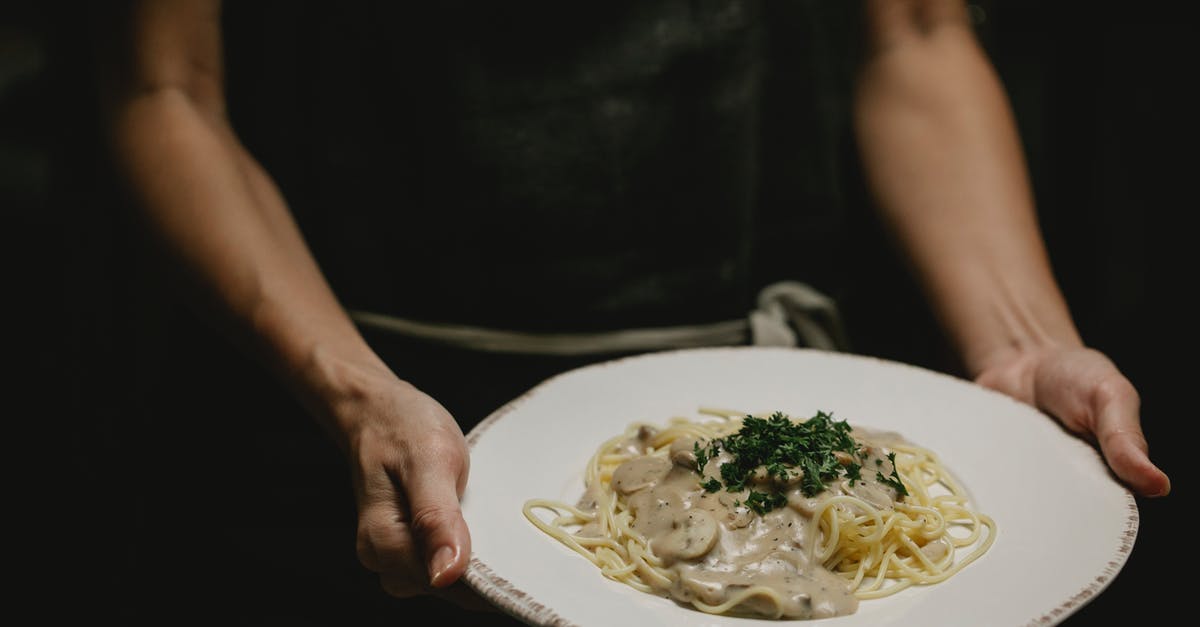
<point>409,466</point>
<point>411,530</point>
<point>1119,434</point>
<point>437,520</point>
<point>386,546</point>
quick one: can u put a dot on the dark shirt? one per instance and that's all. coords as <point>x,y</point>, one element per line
<point>546,165</point>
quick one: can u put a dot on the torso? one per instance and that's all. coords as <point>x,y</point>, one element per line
<point>528,166</point>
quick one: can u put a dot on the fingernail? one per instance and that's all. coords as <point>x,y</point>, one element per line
<point>442,560</point>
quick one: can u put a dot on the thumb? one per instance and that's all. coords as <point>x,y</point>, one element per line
<point>438,523</point>
<point>1085,391</point>
<point>1121,440</point>
<point>1106,407</point>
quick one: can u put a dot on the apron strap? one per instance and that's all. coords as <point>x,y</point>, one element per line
<point>789,313</point>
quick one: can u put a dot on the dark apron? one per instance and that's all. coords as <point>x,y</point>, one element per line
<point>509,172</point>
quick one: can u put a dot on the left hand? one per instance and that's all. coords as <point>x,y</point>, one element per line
<point>1085,391</point>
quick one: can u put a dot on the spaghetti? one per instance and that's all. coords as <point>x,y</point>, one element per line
<point>688,511</point>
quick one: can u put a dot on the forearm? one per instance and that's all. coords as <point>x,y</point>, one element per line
<point>944,160</point>
<point>222,220</point>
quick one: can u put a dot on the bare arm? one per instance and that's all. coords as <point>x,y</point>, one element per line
<point>213,207</point>
<point>219,216</point>
<point>942,154</point>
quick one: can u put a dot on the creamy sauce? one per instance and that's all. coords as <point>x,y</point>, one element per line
<point>715,546</point>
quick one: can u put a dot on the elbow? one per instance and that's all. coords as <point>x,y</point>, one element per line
<point>150,115</point>
<point>893,24</point>
<point>921,55</point>
<point>128,105</point>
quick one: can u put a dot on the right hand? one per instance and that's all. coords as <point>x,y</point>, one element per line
<point>409,464</point>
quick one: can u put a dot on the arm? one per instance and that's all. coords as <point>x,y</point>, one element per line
<point>942,155</point>
<point>220,218</point>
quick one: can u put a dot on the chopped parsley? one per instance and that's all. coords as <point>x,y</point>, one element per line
<point>854,472</point>
<point>894,479</point>
<point>782,448</point>
<point>702,455</point>
<point>763,502</point>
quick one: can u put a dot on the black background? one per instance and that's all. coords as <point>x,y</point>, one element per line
<point>1100,94</point>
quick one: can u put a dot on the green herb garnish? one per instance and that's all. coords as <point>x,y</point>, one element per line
<point>894,479</point>
<point>782,448</point>
<point>853,471</point>
<point>763,502</point>
<point>701,456</point>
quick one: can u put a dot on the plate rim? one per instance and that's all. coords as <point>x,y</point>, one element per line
<point>521,605</point>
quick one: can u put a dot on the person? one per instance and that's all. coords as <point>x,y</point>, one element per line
<point>501,156</point>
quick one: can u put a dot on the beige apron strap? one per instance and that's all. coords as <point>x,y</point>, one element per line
<point>791,313</point>
<point>788,314</point>
<point>729,333</point>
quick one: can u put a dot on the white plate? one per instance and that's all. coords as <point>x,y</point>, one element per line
<point>1065,526</point>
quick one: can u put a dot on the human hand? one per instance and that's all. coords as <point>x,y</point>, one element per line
<point>409,464</point>
<point>1089,395</point>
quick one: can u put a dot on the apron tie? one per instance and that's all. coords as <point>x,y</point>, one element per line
<point>788,313</point>
<point>789,309</point>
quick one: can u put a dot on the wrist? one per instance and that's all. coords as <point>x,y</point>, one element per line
<point>1009,321</point>
<point>338,384</point>
<point>1014,368</point>
<point>321,357</point>
<point>1017,339</point>
<point>1014,351</point>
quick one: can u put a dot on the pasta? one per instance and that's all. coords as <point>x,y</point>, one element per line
<point>768,516</point>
